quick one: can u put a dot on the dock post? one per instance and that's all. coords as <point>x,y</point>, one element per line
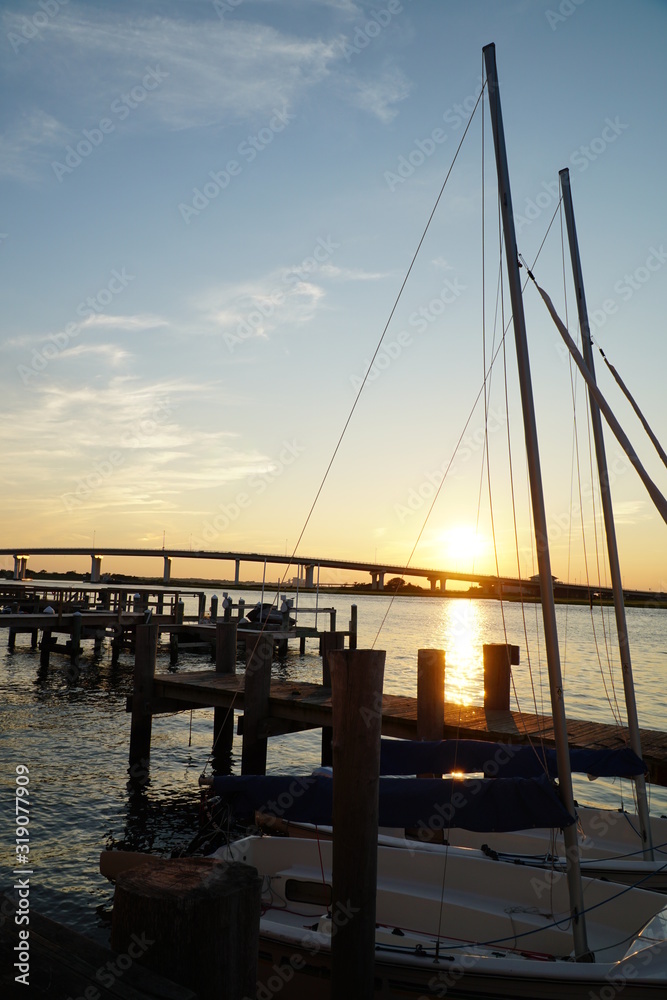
<point>223,718</point>
<point>256,704</point>
<point>357,723</point>
<point>302,645</point>
<point>201,612</point>
<point>241,609</point>
<point>180,612</point>
<point>330,641</point>
<point>201,919</point>
<point>430,694</point>
<point>353,627</point>
<point>173,649</point>
<point>11,639</point>
<point>145,655</point>
<point>33,638</point>
<point>75,640</point>
<point>227,606</point>
<point>45,649</point>
<point>498,660</point>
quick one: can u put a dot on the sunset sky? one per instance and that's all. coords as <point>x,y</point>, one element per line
<point>208,210</point>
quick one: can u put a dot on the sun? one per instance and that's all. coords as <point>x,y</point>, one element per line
<point>461,542</point>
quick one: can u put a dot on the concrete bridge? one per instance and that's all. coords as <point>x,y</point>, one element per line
<point>307,566</point>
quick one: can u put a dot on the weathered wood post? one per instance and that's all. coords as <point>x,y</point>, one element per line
<point>357,677</point>
<point>223,718</point>
<point>75,639</point>
<point>353,627</point>
<point>498,660</point>
<point>173,649</point>
<point>180,612</point>
<point>430,694</point>
<point>214,608</point>
<point>330,642</point>
<point>145,654</point>
<point>11,639</point>
<point>197,921</point>
<point>227,605</point>
<point>201,611</point>
<point>256,704</point>
<point>33,638</point>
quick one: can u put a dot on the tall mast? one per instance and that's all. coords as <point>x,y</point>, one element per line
<point>581,949</point>
<point>608,514</point>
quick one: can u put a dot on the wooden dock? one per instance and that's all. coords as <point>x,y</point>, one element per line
<point>278,707</point>
<point>63,963</point>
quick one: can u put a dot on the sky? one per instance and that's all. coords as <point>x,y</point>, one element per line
<point>208,212</point>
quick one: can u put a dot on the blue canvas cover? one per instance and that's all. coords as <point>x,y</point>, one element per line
<point>505,760</point>
<point>484,805</point>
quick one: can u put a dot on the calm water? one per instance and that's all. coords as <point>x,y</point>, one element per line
<point>73,733</point>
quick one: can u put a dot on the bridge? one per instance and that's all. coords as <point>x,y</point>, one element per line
<point>306,565</point>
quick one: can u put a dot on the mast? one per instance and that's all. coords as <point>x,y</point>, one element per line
<point>581,949</point>
<point>608,514</point>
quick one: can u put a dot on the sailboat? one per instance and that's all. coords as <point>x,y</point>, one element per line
<point>448,922</point>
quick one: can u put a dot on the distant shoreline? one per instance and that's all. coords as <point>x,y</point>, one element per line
<point>633,599</point>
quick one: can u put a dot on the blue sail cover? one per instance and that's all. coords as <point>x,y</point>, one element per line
<point>501,759</point>
<point>483,805</point>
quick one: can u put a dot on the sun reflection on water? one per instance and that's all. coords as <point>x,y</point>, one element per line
<point>461,631</point>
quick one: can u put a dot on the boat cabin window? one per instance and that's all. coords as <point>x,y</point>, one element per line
<point>316,893</point>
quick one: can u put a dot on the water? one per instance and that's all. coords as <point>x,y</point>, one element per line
<point>72,732</point>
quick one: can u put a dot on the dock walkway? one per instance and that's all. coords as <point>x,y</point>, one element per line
<point>294,706</point>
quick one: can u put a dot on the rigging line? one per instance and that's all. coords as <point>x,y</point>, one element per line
<point>379,344</point>
<point>656,496</point>
<point>615,712</point>
<point>633,403</point>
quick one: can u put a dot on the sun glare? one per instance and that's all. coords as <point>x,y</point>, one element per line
<point>462,542</point>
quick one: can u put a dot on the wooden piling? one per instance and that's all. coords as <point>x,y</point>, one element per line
<point>357,718</point>
<point>214,608</point>
<point>11,640</point>
<point>223,718</point>
<point>75,640</point>
<point>430,694</point>
<point>352,643</point>
<point>173,649</point>
<point>256,704</point>
<point>330,642</point>
<point>498,660</point>
<point>199,919</point>
<point>144,670</point>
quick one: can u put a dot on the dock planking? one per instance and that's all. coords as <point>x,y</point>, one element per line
<point>309,705</point>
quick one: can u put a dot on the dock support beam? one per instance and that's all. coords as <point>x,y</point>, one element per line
<point>256,704</point>
<point>430,694</point>
<point>498,661</point>
<point>223,718</point>
<point>166,572</point>
<point>357,722</point>
<point>330,642</point>
<point>145,655</point>
<point>95,569</point>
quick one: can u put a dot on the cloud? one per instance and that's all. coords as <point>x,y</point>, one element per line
<point>141,321</point>
<point>378,96</point>
<point>25,144</point>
